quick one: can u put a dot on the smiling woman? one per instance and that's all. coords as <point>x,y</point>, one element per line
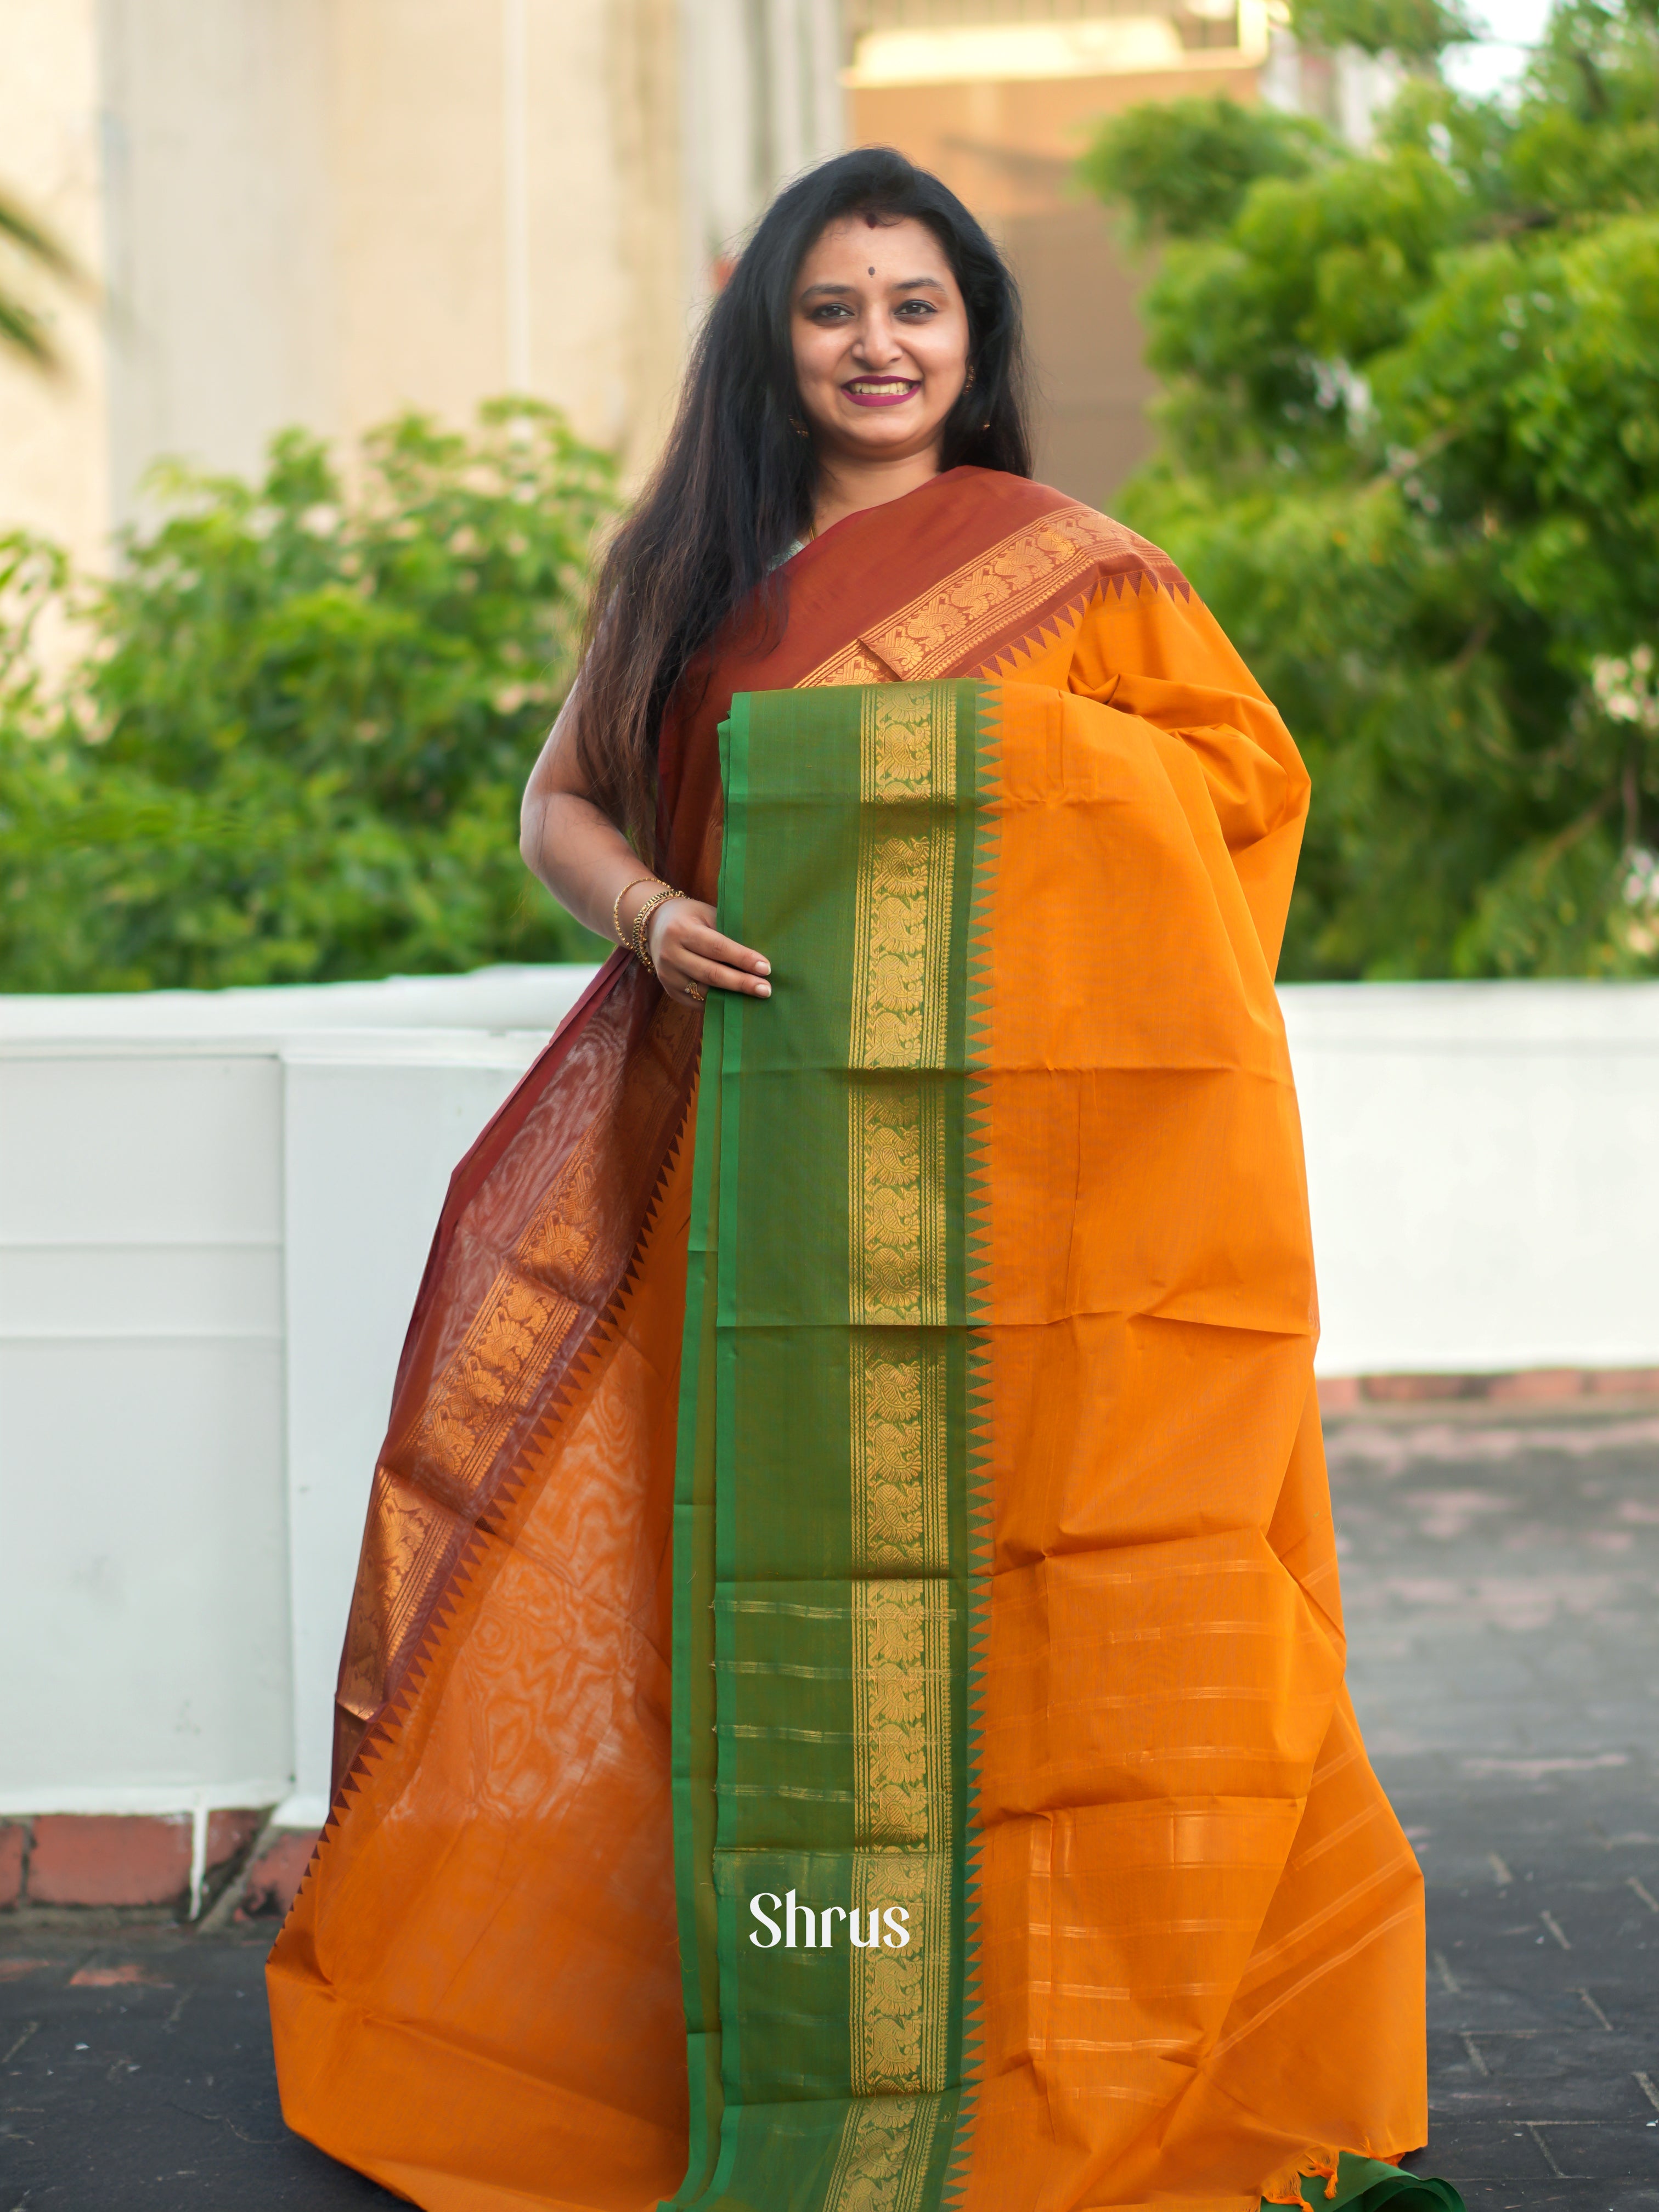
<point>882,349</point>
<point>842,1709</point>
<point>911,302</point>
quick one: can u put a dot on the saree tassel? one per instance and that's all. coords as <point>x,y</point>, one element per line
<point>1286,2186</point>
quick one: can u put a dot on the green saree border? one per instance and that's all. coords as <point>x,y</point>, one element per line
<point>830,1517</point>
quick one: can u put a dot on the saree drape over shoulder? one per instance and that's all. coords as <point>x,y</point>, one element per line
<point>844,1706</point>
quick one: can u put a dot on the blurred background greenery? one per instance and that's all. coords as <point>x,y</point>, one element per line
<point>1407,448</point>
<point>293,746</point>
<point>1409,453</point>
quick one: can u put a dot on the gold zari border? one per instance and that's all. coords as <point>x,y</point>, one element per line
<point>896,1143</point>
<point>899,1471</point>
<point>882,2161</point>
<point>992,595</point>
<point>557,1273</point>
<point>899,2000</point>
<point>907,866</point>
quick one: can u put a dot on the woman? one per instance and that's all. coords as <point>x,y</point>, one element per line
<point>844,1705</point>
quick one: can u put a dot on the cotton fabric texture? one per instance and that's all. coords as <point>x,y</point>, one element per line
<point>855,1457</point>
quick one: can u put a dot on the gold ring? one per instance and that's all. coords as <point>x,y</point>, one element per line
<point>694,994</point>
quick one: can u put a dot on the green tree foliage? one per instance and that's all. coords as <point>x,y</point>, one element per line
<point>1182,169</point>
<point>1410,454</point>
<point>1413,31</point>
<point>296,748</point>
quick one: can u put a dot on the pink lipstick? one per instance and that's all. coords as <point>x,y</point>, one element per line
<point>881,390</point>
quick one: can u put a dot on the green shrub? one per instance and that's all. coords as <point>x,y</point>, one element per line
<point>295,749</point>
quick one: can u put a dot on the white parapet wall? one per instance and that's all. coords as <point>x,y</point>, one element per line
<point>215,1209</point>
<point>1483,1169</point>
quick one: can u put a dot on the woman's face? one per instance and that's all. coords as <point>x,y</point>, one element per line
<point>880,337</point>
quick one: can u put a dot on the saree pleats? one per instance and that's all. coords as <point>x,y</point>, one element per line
<point>843,1707</point>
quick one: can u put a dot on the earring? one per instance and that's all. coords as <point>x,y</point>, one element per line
<point>799,427</point>
<point>968,381</point>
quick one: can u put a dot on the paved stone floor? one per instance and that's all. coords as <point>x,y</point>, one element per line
<point>1503,1593</point>
<point>1502,1586</point>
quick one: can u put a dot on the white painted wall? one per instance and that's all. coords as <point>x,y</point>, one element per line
<point>370,1137</point>
<point>215,1208</point>
<point>1483,1167</point>
<point>143,1636</point>
<point>214,1212</point>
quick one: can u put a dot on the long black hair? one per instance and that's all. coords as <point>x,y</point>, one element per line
<point>734,487</point>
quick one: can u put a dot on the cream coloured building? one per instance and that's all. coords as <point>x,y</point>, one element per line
<point>321,212</point>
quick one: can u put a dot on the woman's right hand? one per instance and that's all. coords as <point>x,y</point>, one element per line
<point>692,958</point>
<point>595,873</point>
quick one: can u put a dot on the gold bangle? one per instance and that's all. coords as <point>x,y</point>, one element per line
<point>616,904</point>
<point>647,908</point>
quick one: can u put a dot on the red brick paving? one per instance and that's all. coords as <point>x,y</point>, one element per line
<point>81,1858</point>
<point>273,1880</point>
<point>13,1838</point>
<point>130,1859</point>
<point>1534,1385</point>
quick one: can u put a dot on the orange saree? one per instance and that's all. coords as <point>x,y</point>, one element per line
<point>925,1499</point>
